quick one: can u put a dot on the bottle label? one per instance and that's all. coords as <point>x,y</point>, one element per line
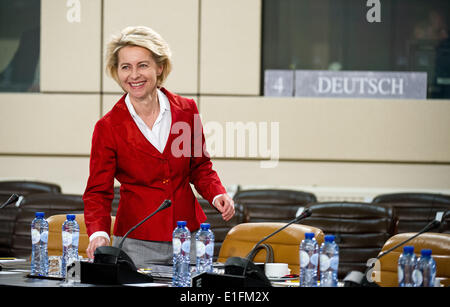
<point>334,262</point>
<point>315,259</point>
<point>400,274</point>
<point>66,238</point>
<point>75,238</point>
<point>324,262</point>
<point>176,245</point>
<point>35,236</point>
<point>304,259</point>
<point>210,248</point>
<point>201,248</point>
<point>186,246</point>
<point>44,236</point>
<point>417,278</point>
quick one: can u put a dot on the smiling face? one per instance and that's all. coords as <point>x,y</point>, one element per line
<point>137,72</point>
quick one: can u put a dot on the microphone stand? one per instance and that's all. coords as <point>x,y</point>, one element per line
<point>112,254</point>
<point>112,265</point>
<point>305,214</point>
<point>433,224</point>
<point>365,282</point>
<point>163,206</point>
<point>233,276</point>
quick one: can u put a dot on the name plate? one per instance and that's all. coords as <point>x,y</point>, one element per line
<point>278,83</point>
<point>361,84</point>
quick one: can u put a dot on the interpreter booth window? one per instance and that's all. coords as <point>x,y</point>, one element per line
<point>356,48</point>
<point>19,45</point>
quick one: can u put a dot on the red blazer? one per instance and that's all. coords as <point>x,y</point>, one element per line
<point>147,177</point>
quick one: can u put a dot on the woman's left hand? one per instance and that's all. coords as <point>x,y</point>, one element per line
<point>225,205</point>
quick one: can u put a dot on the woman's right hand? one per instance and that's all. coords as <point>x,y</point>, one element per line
<point>96,242</point>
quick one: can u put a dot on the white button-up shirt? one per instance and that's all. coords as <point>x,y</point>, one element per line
<point>160,131</point>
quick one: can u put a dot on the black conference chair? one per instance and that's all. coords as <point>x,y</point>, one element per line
<point>8,215</point>
<point>360,229</point>
<point>50,204</point>
<point>415,210</point>
<point>272,205</point>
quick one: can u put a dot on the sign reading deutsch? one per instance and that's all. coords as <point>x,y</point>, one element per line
<point>361,84</point>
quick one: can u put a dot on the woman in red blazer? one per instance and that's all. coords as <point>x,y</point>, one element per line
<point>152,142</point>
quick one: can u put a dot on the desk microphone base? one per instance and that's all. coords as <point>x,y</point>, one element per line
<point>111,274</point>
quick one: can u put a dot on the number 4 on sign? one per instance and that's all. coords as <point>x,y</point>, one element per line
<point>74,11</point>
<point>278,85</point>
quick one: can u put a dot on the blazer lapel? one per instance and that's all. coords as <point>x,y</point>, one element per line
<point>127,129</point>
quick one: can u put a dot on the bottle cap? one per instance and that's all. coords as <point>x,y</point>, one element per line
<point>309,235</point>
<point>181,223</point>
<point>408,249</point>
<point>329,238</point>
<point>205,226</point>
<point>40,214</point>
<point>70,217</point>
<point>425,252</point>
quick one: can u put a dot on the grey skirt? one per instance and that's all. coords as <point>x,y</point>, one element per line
<point>144,253</point>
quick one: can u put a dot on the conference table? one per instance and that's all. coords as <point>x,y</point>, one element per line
<point>16,276</point>
<point>16,273</point>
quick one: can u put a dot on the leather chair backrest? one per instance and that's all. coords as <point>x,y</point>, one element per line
<point>242,238</point>
<point>385,273</point>
<point>271,205</point>
<point>360,230</point>
<point>50,204</point>
<point>220,227</point>
<point>8,215</point>
<point>55,234</point>
<point>29,187</point>
<point>415,210</point>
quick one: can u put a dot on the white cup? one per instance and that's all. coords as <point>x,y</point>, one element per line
<point>276,270</point>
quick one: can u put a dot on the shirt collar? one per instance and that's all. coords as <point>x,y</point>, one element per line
<point>162,99</point>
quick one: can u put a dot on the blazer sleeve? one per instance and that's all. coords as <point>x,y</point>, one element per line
<point>99,192</point>
<point>202,174</point>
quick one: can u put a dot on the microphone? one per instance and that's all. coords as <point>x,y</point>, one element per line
<point>306,213</point>
<point>245,262</point>
<point>12,199</point>
<point>241,272</point>
<point>431,225</point>
<point>357,278</point>
<point>112,254</point>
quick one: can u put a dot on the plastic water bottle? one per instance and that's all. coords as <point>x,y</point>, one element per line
<point>406,266</point>
<point>39,250</point>
<point>181,241</point>
<point>204,244</point>
<point>309,260</point>
<point>70,238</point>
<point>329,262</point>
<point>425,273</point>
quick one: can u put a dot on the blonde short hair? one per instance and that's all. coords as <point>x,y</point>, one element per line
<point>143,37</point>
